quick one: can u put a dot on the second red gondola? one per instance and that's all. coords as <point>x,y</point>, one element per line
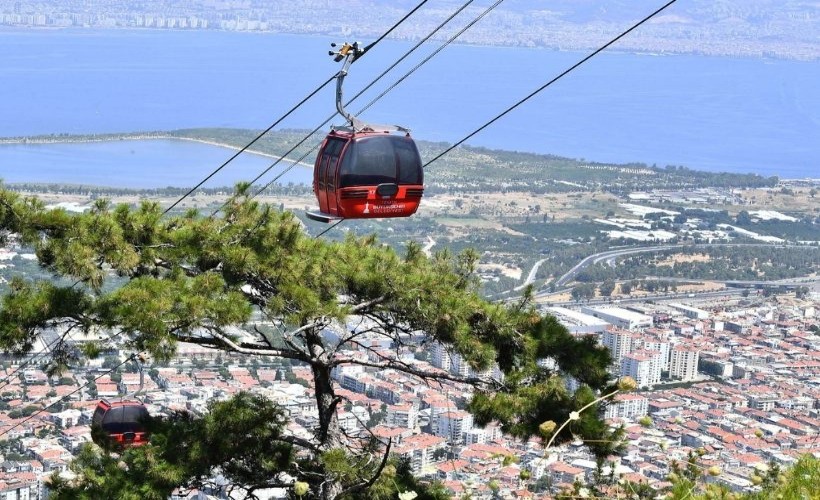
<point>124,422</point>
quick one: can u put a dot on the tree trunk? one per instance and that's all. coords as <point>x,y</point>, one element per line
<point>328,434</point>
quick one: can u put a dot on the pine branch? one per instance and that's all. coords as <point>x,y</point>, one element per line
<point>254,349</point>
<point>370,482</point>
<point>401,366</point>
<point>358,308</point>
<point>297,441</point>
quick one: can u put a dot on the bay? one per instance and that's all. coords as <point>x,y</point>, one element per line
<point>707,113</point>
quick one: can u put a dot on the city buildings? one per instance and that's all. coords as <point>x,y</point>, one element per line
<point>743,400</point>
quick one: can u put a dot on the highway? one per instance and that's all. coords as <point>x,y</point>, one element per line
<point>543,298</point>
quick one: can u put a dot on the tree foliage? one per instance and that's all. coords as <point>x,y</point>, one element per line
<point>239,439</point>
<point>147,282</point>
<point>798,482</point>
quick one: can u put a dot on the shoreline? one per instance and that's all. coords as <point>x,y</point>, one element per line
<point>236,148</point>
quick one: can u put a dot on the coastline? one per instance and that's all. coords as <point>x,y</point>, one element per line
<point>250,151</point>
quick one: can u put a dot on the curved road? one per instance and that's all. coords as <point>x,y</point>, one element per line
<point>531,276</point>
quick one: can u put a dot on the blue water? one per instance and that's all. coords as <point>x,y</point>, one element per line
<point>136,164</point>
<point>718,114</point>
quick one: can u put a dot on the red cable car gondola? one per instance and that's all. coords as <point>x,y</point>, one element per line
<point>124,422</point>
<point>363,171</point>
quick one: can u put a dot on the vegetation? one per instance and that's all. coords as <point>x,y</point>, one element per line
<point>191,278</point>
<point>796,483</point>
<point>692,480</point>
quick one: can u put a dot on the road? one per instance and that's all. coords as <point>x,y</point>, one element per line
<point>530,276</point>
<point>610,255</point>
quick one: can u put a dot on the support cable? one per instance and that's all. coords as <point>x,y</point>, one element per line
<point>64,338</point>
<point>532,94</point>
<point>41,355</point>
<point>8,380</point>
<point>329,228</point>
<point>433,54</point>
<point>299,104</point>
<point>396,25</point>
<point>564,73</point>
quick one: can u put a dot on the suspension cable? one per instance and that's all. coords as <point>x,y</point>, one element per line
<point>364,51</point>
<point>63,339</point>
<point>399,81</point>
<point>46,408</point>
<point>433,54</point>
<point>299,104</point>
<point>245,147</point>
<point>41,355</point>
<point>564,73</point>
<point>329,228</point>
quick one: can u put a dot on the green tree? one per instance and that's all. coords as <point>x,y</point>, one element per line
<point>110,362</point>
<point>626,288</point>
<point>796,483</point>
<point>743,218</point>
<point>583,291</point>
<point>192,278</point>
<point>606,288</point>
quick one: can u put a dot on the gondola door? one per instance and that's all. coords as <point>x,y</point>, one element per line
<point>330,176</point>
<point>321,180</point>
<point>326,175</point>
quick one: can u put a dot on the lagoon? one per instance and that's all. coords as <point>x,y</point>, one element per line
<point>139,164</point>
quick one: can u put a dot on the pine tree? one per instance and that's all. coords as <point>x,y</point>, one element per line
<point>153,281</point>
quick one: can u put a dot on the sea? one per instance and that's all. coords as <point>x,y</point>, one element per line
<point>749,115</point>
